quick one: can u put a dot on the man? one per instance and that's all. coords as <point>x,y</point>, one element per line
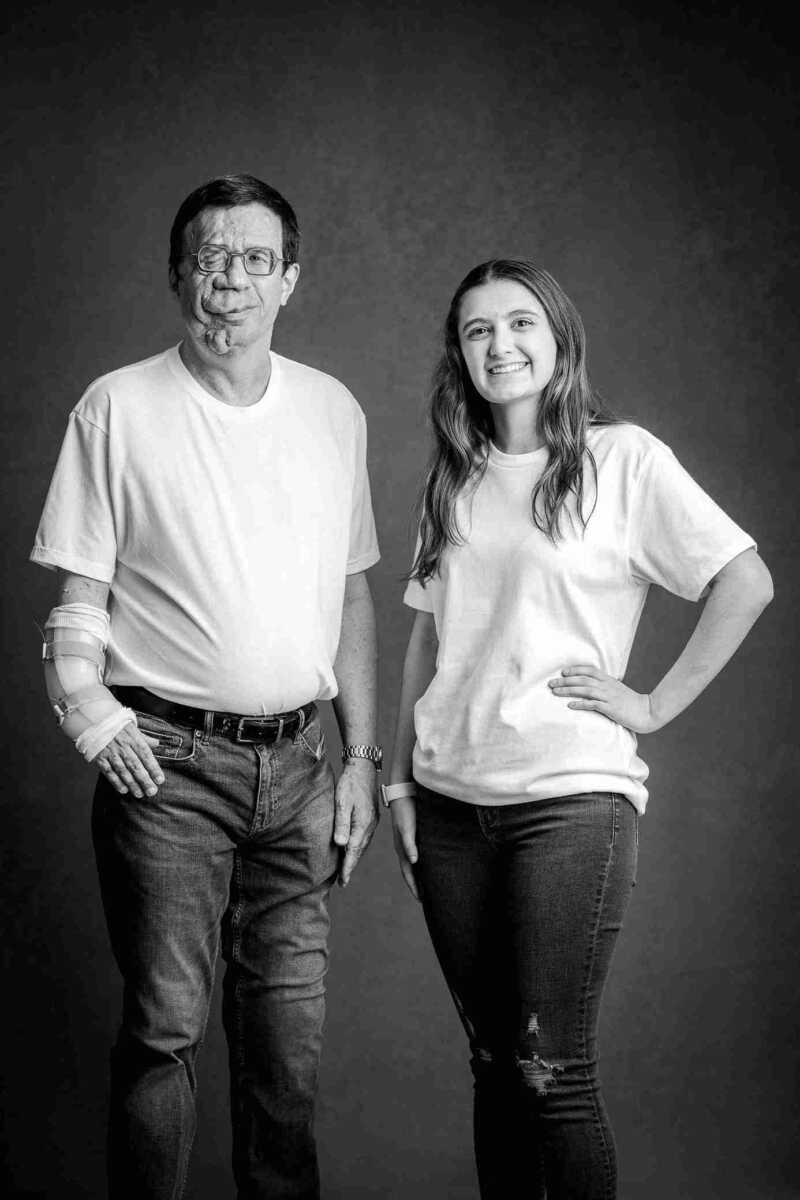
<point>217,496</point>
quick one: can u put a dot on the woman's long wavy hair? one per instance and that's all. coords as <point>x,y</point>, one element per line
<point>462,419</point>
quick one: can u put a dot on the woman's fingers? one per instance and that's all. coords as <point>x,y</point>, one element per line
<point>407,871</point>
<point>584,682</point>
<point>579,686</point>
<point>587,688</point>
<point>409,840</point>
<point>404,826</point>
<point>405,845</point>
<point>404,831</point>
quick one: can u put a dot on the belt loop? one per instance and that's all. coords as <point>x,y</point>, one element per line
<point>208,724</point>
<point>301,724</point>
<point>279,734</point>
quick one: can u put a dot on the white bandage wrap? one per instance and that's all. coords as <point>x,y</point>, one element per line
<point>76,636</point>
<point>96,737</point>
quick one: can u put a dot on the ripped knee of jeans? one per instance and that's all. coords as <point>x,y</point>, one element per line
<point>537,1073</point>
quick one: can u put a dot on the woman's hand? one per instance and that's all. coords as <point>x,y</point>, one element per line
<point>404,831</point>
<point>593,690</point>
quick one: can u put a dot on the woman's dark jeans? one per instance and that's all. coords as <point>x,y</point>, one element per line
<point>524,903</point>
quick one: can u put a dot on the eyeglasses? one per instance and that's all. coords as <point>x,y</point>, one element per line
<point>257,260</point>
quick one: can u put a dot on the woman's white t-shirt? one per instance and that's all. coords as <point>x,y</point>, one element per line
<point>512,609</point>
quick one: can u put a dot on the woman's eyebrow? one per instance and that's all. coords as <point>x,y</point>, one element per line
<point>515,312</point>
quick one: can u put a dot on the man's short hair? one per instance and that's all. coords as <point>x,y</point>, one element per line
<point>229,191</point>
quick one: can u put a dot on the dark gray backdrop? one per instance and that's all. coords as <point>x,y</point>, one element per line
<point>646,160</point>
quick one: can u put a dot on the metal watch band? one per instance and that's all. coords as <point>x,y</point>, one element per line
<point>373,753</point>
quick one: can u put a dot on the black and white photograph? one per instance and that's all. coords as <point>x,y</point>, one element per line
<point>400,450</point>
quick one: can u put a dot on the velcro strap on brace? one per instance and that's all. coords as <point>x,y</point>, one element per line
<point>52,650</point>
<point>64,705</point>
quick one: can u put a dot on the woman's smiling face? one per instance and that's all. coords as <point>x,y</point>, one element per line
<point>507,343</point>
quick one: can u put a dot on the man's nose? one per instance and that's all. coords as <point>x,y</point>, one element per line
<point>234,274</point>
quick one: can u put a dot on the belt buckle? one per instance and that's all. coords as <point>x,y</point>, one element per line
<point>241,737</point>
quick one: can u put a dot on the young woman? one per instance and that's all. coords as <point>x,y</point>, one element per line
<point>515,786</point>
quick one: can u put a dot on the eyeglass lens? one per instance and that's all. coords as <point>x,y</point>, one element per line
<point>258,260</point>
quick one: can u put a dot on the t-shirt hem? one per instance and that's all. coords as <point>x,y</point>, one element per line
<point>417,605</point>
<point>415,597</point>
<point>615,785</point>
<point>45,556</point>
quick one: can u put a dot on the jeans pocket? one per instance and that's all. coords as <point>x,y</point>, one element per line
<point>168,743</point>
<point>312,738</point>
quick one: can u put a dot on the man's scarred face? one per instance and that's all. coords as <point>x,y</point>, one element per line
<point>230,311</point>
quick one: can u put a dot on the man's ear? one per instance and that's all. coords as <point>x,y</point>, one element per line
<point>289,281</point>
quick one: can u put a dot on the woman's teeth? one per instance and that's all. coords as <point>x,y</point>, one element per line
<point>507,368</point>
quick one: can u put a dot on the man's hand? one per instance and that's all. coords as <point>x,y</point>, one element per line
<point>404,830</point>
<point>129,765</point>
<point>593,690</point>
<point>356,814</point>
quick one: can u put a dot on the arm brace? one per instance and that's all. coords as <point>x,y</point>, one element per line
<point>75,639</point>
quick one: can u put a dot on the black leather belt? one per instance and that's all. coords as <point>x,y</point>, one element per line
<point>231,725</point>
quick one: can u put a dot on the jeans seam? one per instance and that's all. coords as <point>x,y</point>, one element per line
<point>180,1182</point>
<point>236,914</point>
<point>584,1008</point>
<point>300,739</point>
<point>274,782</point>
<point>262,811</point>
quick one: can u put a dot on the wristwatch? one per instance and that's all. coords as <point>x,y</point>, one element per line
<point>373,753</point>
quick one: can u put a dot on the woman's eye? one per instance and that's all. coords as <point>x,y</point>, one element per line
<point>522,322</point>
<point>477,331</point>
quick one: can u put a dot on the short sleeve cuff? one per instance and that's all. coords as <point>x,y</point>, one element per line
<point>720,560</point>
<point>363,562</point>
<point>52,559</point>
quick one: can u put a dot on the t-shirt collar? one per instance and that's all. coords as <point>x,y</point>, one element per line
<point>178,368</point>
<point>500,459</point>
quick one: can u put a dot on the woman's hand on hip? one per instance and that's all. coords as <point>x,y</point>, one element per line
<point>592,690</point>
<point>404,830</point>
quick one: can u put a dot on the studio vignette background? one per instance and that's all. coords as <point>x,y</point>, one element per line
<point>645,157</point>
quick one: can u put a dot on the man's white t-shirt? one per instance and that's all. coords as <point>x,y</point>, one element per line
<point>512,609</point>
<point>225,533</point>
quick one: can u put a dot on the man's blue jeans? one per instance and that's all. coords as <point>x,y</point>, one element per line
<point>235,852</point>
<point>524,904</point>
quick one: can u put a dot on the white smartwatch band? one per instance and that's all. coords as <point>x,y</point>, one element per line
<point>397,791</point>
